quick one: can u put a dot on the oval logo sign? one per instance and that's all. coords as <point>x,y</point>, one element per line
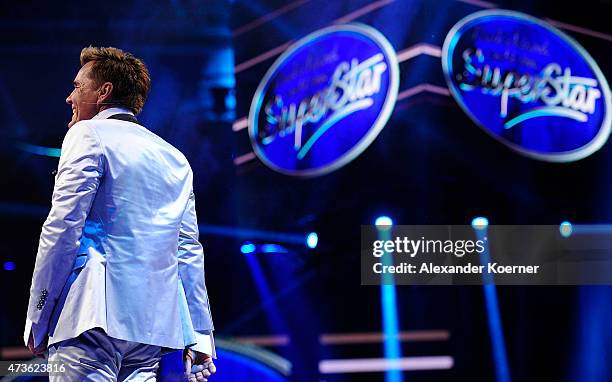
<point>528,84</point>
<point>324,100</point>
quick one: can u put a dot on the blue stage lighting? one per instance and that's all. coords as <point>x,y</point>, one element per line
<point>480,222</point>
<point>247,247</point>
<point>312,240</point>
<point>502,368</point>
<point>9,266</point>
<point>383,221</point>
<point>271,248</point>
<point>40,150</point>
<point>566,229</point>
<point>392,346</point>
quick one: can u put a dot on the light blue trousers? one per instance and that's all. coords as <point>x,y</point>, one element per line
<point>95,357</point>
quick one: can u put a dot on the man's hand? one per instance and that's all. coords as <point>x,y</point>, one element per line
<point>198,366</point>
<point>37,351</point>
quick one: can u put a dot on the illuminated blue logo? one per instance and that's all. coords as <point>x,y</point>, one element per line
<point>528,84</point>
<point>324,100</point>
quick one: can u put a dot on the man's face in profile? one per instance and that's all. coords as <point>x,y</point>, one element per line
<point>84,96</point>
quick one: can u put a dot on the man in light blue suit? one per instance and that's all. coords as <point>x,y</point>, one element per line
<point>119,274</point>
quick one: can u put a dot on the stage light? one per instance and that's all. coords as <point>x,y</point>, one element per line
<point>388,299</point>
<point>247,247</point>
<point>383,221</point>
<point>271,248</point>
<point>40,150</point>
<point>9,266</point>
<point>502,368</point>
<point>480,222</point>
<point>498,343</point>
<point>566,229</point>
<point>312,240</point>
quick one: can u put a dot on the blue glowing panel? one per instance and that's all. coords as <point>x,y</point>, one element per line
<point>324,100</point>
<point>528,85</point>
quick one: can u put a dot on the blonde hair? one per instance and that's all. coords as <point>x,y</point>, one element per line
<point>128,74</point>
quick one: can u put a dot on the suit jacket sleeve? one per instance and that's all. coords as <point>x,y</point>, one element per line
<point>191,270</point>
<point>78,176</point>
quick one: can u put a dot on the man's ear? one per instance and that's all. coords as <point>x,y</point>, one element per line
<point>106,91</point>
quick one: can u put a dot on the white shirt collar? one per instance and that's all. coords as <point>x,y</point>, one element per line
<point>104,114</point>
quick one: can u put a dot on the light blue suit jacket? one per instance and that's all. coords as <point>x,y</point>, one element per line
<point>119,249</point>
